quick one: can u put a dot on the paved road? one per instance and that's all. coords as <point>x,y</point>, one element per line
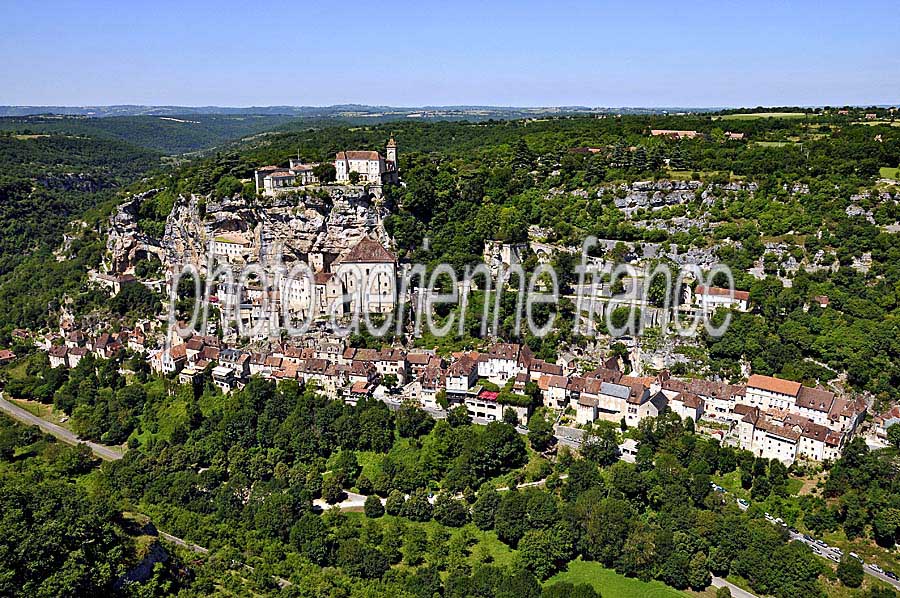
<point>736,592</point>
<point>104,452</point>
<point>352,501</point>
<point>183,543</point>
<point>831,553</point>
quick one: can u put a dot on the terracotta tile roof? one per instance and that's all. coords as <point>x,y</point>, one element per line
<point>689,400</point>
<point>817,399</point>
<point>366,355</point>
<point>742,409</point>
<point>358,155</point>
<point>776,385</point>
<point>393,355</point>
<point>360,388</point>
<point>706,388</point>
<point>368,251</point>
<point>720,292</point>
<point>637,391</point>
<point>592,386</point>
<point>576,384</point>
<point>539,365</point>
<point>418,358</point>
<point>322,277</point>
<point>504,351</point>
<point>847,408</point>
<point>755,417</point>
<point>776,430</point>
<point>432,378</point>
<point>58,351</point>
<point>588,401</point>
<point>892,413</point>
<point>313,366</point>
<point>674,133</point>
<point>462,367</point>
<point>812,430</point>
<point>361,368</point>
<point>293,352</point>
<point>552,381</point>
<point>605,374</point>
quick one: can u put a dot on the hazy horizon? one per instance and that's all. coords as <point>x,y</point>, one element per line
<point>527,54</point>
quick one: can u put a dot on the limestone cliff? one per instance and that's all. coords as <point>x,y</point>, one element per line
<point>329,221</point>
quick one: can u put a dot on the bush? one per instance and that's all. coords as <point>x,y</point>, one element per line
<point>850,572</point>
<point>394,503</point>
<point>373,507</point>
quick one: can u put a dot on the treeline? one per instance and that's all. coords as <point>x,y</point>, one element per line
<point>169,134</point>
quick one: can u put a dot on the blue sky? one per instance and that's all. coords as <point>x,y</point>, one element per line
<point>525,53</point>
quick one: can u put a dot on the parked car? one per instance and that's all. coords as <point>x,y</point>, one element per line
<point>892,575</point>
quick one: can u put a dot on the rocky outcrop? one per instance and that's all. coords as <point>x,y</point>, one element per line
<point>126,243</point>
<point>658,194</point>
<point>75,181</point>
<point>328,221</point>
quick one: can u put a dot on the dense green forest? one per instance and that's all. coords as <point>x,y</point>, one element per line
<point>47,181</point>
<point>170,134</point>
<point>239,474</point>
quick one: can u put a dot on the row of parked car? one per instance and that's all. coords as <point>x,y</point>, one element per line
<point>820,547</point>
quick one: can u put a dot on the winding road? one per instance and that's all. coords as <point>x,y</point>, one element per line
<point>103,451</point>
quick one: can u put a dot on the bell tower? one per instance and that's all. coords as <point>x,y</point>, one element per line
<point>391,153</point>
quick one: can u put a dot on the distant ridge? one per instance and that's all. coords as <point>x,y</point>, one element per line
<point>339,110</point>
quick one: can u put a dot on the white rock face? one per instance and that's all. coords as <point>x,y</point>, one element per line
<point>329,222</point>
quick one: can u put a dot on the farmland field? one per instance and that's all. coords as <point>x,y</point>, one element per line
<point>756,115</point>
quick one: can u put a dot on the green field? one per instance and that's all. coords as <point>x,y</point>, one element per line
<point>773,143</point>
<point>890,173</point>
<point>611,584</point>
<point>757,115</point>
